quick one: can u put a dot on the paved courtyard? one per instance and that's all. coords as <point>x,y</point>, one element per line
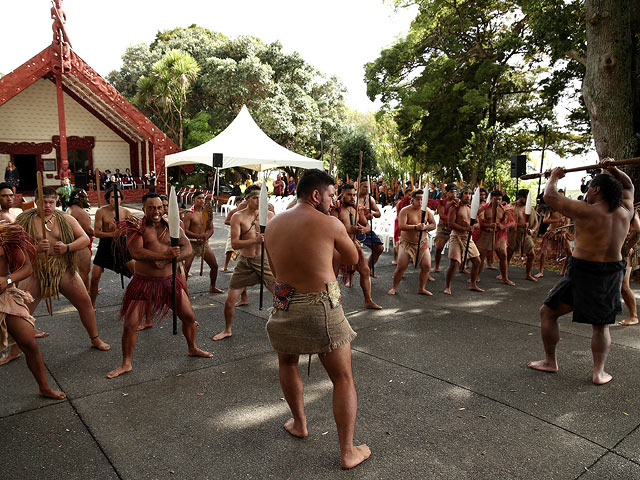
<point>444,392</point>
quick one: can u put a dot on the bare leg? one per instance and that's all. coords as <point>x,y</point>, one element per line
<point>148,311</point>
<point>345,404</point>
<point>483,255</point>
<point>541,266</point>
<point>12,354</point>
<point>188,319</point>
<point>453,266</point>
<point>210,258</point>
<point>187,263</point>
<point>84,266</point>
<point>32,285</point>
<point>530,277</point>
<point>244,299</point>
<point>425,268</point>
<point>229,310</point>
<point>292,389</point>
<point>227,259</point>
<point>365,284</point>
<point>600,346</point>
<point>96,273</point>
<point>23,333</point>
<point>71,287</point>
<point>129,339</point>
<point>475,275</point>
<point>401,266</point>
<point>504,267</point>
<point>629,300</point>
<point>438,256</point>
<point>376,251</point>
<point>395,254</point>
<point>550,337</point>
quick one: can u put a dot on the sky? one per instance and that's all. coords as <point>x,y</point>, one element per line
<point>336,36</point>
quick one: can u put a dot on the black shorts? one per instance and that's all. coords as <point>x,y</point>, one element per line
<point>592,289</point>
<point>105,257</point>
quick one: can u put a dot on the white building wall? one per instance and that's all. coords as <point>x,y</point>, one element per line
<point>32,116</point>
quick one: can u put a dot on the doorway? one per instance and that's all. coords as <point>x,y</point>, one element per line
<point>27,166</point>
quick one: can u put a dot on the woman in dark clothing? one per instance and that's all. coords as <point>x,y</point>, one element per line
<point>11,176</point>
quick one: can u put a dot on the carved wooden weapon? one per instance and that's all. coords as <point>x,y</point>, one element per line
<point>475,204</point>
<point>628,161</point>
<point>116,200</point>
<point>174,233</point>
<point>47,300</point>
<point>424,212</point>
<point>207,216</point>
<point>263,214</point>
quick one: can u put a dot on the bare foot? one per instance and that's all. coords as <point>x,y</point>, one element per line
<point>531,278</point>
<point>422,291</point>
<point>447,291</point>
<point>9,356</point>
<point>508,282</point>
<point>373,275</point>
<point>430,279</point>
<point>296,430</point>
<point>223,269</point>
<point>119,371</point>
<point>601,378</point>
<point>392,291</point>
<point>435,270</point>
<point>468,272</point>
<point>354,458</point>
<point>196,352</point>
<point>539,275</point>
<point>475,288</point>
<point>625,323</point>
<point>221,335</point>
<point>242,302</point>
<point>492,267</point>
<point>144,326</point>
<point>544,366</point>
<point>372,305</point>
<point>51,393</point>
<point>394,262</point>
<point>99,345</point>
<point>189,275</point>
<point>215,290</point>
<point>41,334</point>
<point>499,277</point>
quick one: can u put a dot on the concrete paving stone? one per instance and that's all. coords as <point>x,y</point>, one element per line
<point>48,443</point>
<point>630,446</point>
<point>612,466</point>
<point>489,356</point>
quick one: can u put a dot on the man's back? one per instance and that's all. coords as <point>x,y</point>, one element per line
<point>600,232</point>
<point>300,244</point>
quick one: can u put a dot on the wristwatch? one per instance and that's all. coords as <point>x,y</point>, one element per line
<point>9,281</point>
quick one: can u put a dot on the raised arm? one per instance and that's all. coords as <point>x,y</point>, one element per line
<point>623,178</point>
<point>564,205</point>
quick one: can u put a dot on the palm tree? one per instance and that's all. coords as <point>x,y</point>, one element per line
<point>164,91</point>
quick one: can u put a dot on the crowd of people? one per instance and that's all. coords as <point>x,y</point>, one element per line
<point>319,240</point>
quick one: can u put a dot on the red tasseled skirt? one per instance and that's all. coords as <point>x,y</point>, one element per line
<point>154,292</point>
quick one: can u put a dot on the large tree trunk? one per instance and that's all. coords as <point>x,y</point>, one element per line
<point>611,83</point>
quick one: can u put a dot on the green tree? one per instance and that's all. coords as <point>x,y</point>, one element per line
<point>164,91</point>
<point>349,148</point>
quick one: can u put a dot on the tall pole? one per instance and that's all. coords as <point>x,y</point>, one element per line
<point>62,127</point>
<point>544,144</point>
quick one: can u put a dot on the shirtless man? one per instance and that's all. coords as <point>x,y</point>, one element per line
<point>307,316</point>
<point>6,203</point>
<point>493,224</point>
<point>16,322</point>
<point>444,231</point>
<point>105,228</point>
<point>460,225</point>
<point>149,243</point>
<point>369,208</point>
<point>56,273</point>
<point>246,237</point>
<point>199,234</point>
<point>555,238</point>
<point>241,204</point>
<point>630,254</point>
<point>78,202</point>
<point>356,224</point>
<point>410,223</point>
<point>523,232</point>
<point>591,287</point>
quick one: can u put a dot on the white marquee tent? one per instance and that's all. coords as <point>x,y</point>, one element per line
<point>243,144</point>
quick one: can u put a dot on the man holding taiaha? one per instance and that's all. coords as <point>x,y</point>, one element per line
<point>591,287</point>
<point>307,317</point>
<point>367,205</point>
<point>460,242</point>
<point>356,223</point>
<point>246,237</point>
<point>105,229</point>
<point>78,202</point>
<point>412,226</point>
<point>555,240</point>
<point>17,255</point>
<point>443,232</point>
<point>523,231</point>
<point>149,243</point>
<point>57,260</point>
<point>494,223</point>
<point>630,254</point>
<point>403,202</point>
<point>199,234</point>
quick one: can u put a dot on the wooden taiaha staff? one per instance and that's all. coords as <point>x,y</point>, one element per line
<point>116,200</point>
<point>475,204</point>
<point>207,216</point>
<point>424,213</point>
<point>494,208</point>
<point>371,213</point>
<point>47,299</point>
<point>331,158</point>
<point>619,163</point>
<point>174,233</point>
<point>527,215</point>
<point>263,214</point>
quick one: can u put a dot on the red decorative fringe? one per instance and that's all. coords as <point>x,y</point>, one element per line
<point>153,292</point>
<point>15,241</point>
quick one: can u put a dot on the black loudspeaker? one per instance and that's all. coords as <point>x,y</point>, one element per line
<point>81,180</point>
<point>217,160</point>
<point>518,165</point>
